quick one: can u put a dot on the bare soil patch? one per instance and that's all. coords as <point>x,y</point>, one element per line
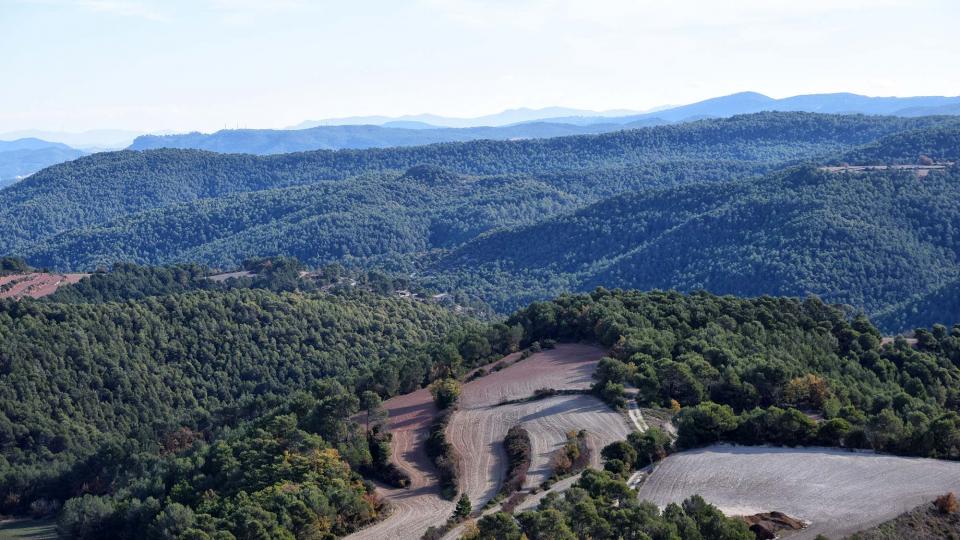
<point>836,491</point>
<point>420,505</point>
<point>35,284</point>
<point>478,428</point>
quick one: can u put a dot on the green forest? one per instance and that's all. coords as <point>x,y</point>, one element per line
<point>226,412</point>
<point>98,189</point>
<point>734,276</point>
<point>753,371</point>
<point>866,239</point>
<point>132,412</point>
<point>736,206</point>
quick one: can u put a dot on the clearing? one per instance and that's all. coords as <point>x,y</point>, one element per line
<point>478,428</point>
<point>920,170</point>
<point>837,491</point>
<point>35,284</point>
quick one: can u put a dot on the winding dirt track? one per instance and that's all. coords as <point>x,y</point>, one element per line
<point>837,491</point>
<point>478,428</point>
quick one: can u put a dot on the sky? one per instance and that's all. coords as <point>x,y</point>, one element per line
<point>183,65</point>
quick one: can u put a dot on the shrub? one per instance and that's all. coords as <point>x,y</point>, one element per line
<point>946,504</point>
<point>445,392</point>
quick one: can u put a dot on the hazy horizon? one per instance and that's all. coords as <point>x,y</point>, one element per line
<point>151,66</point>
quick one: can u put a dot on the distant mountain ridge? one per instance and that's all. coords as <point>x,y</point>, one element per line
<point>22,157</point>
<point>722,106</point>
<point>504,118</point>
<point>268,141</point>
<point>413,130</point>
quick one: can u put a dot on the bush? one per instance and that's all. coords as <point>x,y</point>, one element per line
<point>946,504</point>
<point>445,392</point>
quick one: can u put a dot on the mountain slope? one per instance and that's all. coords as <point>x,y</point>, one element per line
<point>720,106</point>
<point>98,189</point>
<point>839,103</point>
<point>865,239</point>
<point>939,306</point>
<point>384,218</point>
<point>504,118</point>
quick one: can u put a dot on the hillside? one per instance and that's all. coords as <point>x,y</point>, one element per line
<point>96,190</point>
<point>924,522</point>
<point>388,218</point>
<point>276,141</point>
<point>169,428</point>
<point>867,239</point>
<point>939,306</point>
<point>720,106</point>
<point>939,143</point>
<point>218,378</point>
<point>837,103</point>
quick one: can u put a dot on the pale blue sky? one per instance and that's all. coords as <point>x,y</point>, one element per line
<point>205,64</point>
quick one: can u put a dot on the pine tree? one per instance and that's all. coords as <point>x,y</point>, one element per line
<point>463,507</point>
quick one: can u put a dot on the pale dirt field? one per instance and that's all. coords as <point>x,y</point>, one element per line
<point>473,427</point>
<point>419,506</point>
<point>478,435</point>
<point>836,491</point>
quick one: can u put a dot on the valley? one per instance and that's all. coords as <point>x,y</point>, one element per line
<point>479,270</point>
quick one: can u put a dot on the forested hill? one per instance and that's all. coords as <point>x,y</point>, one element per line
<point>869,239</point>
<point>938,143</point>
<point>220,414</point>
<point>386,218</point>
<point>97,189</point>
<point>940,306</point>
<point>232,403</point>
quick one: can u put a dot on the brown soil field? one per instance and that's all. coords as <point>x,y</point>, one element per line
<point>836,491</point>
<point>419,506</point>
<point>478,428</point>
<point>567,367</point>
<point>35,284</point>
<point>478,435</point>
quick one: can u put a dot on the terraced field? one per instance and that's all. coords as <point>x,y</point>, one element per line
<point>419,506</point>
<point>477,430</point>
<point>836,491</point>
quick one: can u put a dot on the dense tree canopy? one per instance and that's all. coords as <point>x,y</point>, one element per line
<point>867,239</point>
<point>87,386</point>
<point>768,369</point>
<point>97,190</point>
